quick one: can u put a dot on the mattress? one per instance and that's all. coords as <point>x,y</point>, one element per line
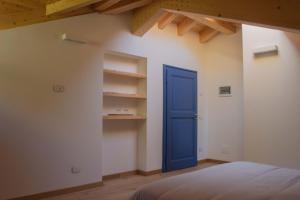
<point>233,181</point>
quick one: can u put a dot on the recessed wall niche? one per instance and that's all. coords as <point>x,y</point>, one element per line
<point>124,112</point>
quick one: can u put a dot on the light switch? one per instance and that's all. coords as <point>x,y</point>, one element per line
<point>58,88</point>
<point>75,170</point>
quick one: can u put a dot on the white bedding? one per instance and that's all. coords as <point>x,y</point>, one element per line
<point>233,181</point>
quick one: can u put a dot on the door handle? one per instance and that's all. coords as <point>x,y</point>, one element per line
<point>195,116</point>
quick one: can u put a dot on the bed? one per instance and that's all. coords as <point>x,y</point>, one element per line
<point>233,181</point>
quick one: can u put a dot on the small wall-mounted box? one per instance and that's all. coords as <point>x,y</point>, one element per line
<point>225,91</point>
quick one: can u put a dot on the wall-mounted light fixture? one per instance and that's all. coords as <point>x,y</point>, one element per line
<point>66,37</point>
<point>78,40</point>
<point>266,50</point>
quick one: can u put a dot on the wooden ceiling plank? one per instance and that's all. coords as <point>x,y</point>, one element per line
<point>27,4</point>
<point>207,34</point>
<point>185,26</point>
<point>166,20</point>
<point>11,7</point>
<point>67,5</point>
<point>221,26</point>
<point>126,5</point>
<point>36,16</point>
<point>105,5</point>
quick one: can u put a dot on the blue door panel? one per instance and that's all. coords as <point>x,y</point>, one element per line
<point>180,92</point>
<point>182,144</point>
<point>180,124</point>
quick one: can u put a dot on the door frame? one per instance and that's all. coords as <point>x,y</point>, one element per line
<point>164,155</point>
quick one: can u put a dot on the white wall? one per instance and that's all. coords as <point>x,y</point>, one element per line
<point>159,47</point>
<point>272,98</point>
<point>224,67</point>
<point>44,134</point>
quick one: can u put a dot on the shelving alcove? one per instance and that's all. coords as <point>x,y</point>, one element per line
<point>124,112</point>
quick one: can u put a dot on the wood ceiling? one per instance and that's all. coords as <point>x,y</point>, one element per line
<point>206,27</point>
<point>15,13</point>
<point>206,17</point>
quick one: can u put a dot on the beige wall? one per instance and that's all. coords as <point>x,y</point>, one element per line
<point>272,98</point>
<point>223,67</point>
<point>160,47</point>
<point>44,134</point>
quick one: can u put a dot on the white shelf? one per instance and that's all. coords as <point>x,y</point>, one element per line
<point>123,95</point>
<point>123,117</point>
<point>124,74</point>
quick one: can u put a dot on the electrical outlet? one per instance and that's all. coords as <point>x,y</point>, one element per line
<point>58,88</point>
<point>75,170</point>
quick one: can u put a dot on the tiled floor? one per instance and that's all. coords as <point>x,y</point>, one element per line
<point>123,188</point>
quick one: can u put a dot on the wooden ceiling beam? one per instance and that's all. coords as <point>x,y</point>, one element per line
<point>140,29</point>
<point>207,34</point>
<point>63,6</point>
<point>126,5</point>
<point>221,26</point>
<point>283,15</point>
<point>105,4</point>
<point>145,18</point>
<point>185,26</point>
<point>166,20</point>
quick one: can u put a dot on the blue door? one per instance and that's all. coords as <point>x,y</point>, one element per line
<point>180,118</point>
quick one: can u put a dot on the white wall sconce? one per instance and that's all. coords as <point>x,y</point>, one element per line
<point>66,37</point>
<point>266,50</point>
<point>77,40</point>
